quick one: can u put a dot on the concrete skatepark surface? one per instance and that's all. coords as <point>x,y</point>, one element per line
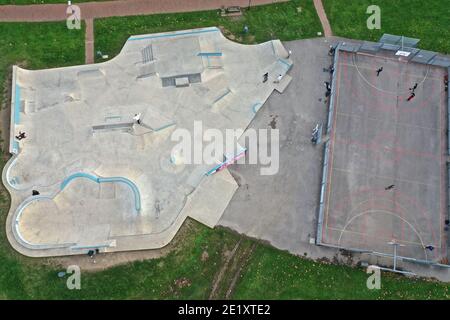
<point>108,183</point>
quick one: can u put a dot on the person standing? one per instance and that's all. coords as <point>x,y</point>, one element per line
<point>137,118</point>
<point>279,78</point>
<point>413,88</point>
<point>379,71</point>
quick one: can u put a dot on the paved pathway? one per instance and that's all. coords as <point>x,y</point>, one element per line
<point>323,18</point>
<point>92,10</point>
<point>89,41</point>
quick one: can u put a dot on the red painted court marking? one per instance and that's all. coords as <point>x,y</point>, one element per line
<point>380,203</point>
<point>379,152</point>
<point>377,238</point>
<point>380,195</point>
<point>399,151</point>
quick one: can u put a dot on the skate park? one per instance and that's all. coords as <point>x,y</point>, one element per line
<point>92,164</point>
<point>99,200</point>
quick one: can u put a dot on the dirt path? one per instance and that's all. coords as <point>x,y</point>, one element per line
<point>323,18</point>
<point>218,279</point>
<point>92,10</point>
<point>231,269</point>
<point>242,263</point>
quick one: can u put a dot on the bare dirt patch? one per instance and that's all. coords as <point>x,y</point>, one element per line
<point>228,255</point>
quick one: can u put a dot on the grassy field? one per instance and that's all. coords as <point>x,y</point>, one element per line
<point>278,21</point>
<point>426,20</point>
<point>192,269</point>
<point>274,274</point>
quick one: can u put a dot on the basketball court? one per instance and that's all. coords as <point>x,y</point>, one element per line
<point>386,168</point>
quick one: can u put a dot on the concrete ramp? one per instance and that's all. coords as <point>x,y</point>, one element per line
<point>147,54</point>
<point>92,74</point>
<point>157,122</point>
<point>177,57</point>
<point>210,199</point>
<point>279,49</point>
<point>283,84</point>
<point>146,70</point>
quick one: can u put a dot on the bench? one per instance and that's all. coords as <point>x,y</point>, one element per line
<point>230,11</point>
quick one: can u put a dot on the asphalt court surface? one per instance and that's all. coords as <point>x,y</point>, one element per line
<point>381,140</point>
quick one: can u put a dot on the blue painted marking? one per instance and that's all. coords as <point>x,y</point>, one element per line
<point>90,247</point>
<point>17,104</point>
<point>210,172</point>
<point>285,63</point>
<point>256,107</point>
<point>76,176</point>
<point>16,145</point>
<point>210,54</point>
<point>137,196</point>
<point>173,34</point>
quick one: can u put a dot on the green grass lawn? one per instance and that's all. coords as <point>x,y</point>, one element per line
<point>278,21</point>
<point>275,274</point>
<point>182,273</point>
<point>427,20</point>
<point>38,45</point>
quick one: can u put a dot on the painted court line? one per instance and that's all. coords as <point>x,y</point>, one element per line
<point>381,58</point>
<point>403,77</point>
<point>384,177</point>
<point>384,212</point>
<point>412,75</point>
<point>401,210</point>
<point>386,91</point>
<point>378,238</point>
<point>402,124</point>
